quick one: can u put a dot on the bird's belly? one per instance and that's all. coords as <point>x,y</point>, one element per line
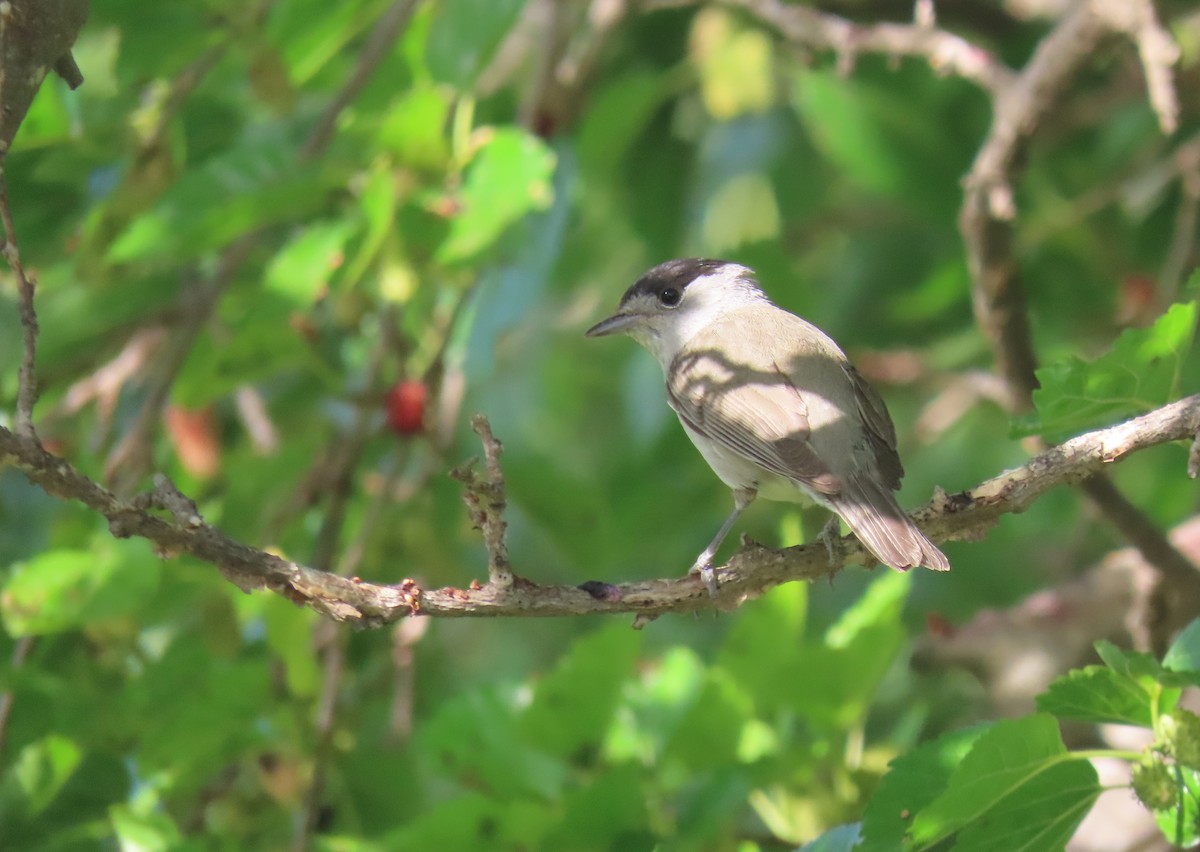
<point>736,471</point>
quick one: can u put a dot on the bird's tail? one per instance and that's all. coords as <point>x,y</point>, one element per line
<point>885,529</point>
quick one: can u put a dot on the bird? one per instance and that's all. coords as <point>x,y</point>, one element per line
<point>773,405</point>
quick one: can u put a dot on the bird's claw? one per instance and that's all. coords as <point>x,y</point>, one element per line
<point>708,575</point>
<point>830,536</point>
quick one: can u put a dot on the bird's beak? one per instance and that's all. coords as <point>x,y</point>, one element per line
<point>616,324</point>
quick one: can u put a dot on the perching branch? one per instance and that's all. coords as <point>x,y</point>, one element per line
<point>751,571</point>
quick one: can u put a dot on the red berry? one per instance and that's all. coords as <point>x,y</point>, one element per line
<point>406,407</point>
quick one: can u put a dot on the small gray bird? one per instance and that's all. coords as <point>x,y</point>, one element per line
<point>772,404</point>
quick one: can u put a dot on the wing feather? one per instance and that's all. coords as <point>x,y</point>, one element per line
<point>765,420</point>
<point>878,427</point>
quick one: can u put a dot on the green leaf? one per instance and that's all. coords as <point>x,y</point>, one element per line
<point>735,65</point>
<point>844,838</point>
<point>289,634</point>
<point>1140,373</point>
<point>60,590</point>
<point>464,36</point>
<point>709,734</point>
<point>303,266</point>
<point>913,781</point>
<point>654,705</point>
<point>1181,824</point>
<point>831,684</point>
<point>414,128</point>
<point>846,129</point>
<point>573,705</point>
<point>1039,816</point>
<point>1184,653</point>
<point>184,738</point>
<point>145,832</point>
<point>1132,664</point>
<point>42,769</point>
<point>618,113</point>
<point>474,737</point>
<point>1147,671</point>
<point>760,648</point>
<point>881,604</point>
<point>507,179</point>
<point>1006,761</point>
<point>471,822</point>
<point>832,687</point>
<point>603,812</point>
<point>1098,694</point>
<point>251,186</point>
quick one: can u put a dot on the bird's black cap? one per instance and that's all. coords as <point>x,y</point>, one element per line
<point>673,273</point>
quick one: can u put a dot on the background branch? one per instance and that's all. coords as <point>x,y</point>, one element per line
<point>945,52</point>
<point>27,377</point>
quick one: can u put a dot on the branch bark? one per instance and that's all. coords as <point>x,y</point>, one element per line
<point>945,52</point>
<point>751,571</point>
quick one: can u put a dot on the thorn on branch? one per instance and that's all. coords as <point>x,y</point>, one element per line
<point>486,503</point>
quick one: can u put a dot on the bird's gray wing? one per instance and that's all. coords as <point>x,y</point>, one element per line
<point>878,427</point>
<point>763,418</point>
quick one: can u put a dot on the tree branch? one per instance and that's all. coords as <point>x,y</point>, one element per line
<point>486,502</point>
<point>751,571</point>
<point>945,52</point>
<point>383,35</point>
<point>988,207</point>
<point>26,285</point>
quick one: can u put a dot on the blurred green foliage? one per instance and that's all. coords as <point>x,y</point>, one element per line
<point>473,212</point>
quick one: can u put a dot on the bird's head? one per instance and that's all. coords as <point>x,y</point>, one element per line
<point>673,301</point>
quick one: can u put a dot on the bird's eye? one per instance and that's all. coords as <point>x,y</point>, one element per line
<point>670,297</point>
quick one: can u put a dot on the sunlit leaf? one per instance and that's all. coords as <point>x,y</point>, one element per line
<point>1098,694</point>
<point>508,178</point>
<point>1015,765</point>
<point>464,36</point>
<point>1139,373</point>
<point>913,781</point>
<point>61,590</point>
<point>1184,653</point>
<point>573,705</point>
<point>1181,824</point>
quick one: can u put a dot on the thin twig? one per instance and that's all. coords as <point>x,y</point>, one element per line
<point>485,502</point>
<point>352,556</point>
<point>20,653</point>
<point>1183,239</point>
<point>1156,49</point>
<point>133,457</point>
<point>383,36</point>
<point>27,390</point>
<point>405,637</point>
<point>333,661</point>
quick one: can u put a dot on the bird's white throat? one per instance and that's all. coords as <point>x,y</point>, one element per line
<point>708,298</point>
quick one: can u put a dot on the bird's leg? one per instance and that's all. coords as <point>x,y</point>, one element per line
<point>831,536</point>
<point>742,497</point>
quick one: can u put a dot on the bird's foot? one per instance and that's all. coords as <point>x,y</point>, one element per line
<point>831,536</point>
<point>708,574</point>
